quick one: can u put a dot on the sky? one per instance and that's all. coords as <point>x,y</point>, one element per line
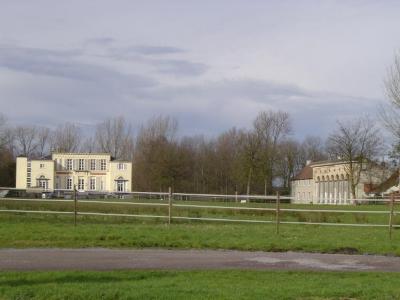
<point>211,64</point>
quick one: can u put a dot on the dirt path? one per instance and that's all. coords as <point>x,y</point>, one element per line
<point>114,259</point>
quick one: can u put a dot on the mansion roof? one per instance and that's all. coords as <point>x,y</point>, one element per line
<point>305,173</point>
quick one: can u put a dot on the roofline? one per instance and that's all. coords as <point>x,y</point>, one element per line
<point>301,179</point>
<point>38,159</point>
<point>329,163</point>
<point>82,153</point>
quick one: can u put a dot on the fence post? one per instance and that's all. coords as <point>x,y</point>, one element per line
<point>278,200</point>
<point>391,215</point>
<point>169,205</point>
<point>236,197</point>
<point>75,205</point>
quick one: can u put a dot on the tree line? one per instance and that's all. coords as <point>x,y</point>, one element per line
<point>245,160</point>
<point>253,160</point>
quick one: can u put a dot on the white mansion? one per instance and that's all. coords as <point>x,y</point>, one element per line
<point>89,172</point>
<point>328,182</point>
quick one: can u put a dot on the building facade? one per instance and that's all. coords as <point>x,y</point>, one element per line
<point>328,182</point>
<point>88,172</point>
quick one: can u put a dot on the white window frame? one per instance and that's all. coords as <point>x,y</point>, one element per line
<point>121,166</point>
<point>92,183</point>
<point>43,183</point>
<point>68,164</point>
<point>81,184</point>
<point>69,183</point>
<point>120,186</point>
<point>103,165</point>
<point>81,164</point>
<point>92,164</point>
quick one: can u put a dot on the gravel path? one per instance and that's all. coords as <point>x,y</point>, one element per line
<point>114,259</point>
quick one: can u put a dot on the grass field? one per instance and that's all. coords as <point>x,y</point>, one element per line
<point>27,230</point>
<point>199,285</point>
<point>298,216</point>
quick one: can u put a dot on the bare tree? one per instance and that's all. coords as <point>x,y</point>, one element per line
<point>290,160</point>
<point>156,155</point>
<point>390,114</point>
<point>89,145</point>
<point>26,140</point>
<point>271,128</point>
<point>2,131</point>
<point>43,141</point>
<point>250,155</point>
<point>357,143</point>
<point>115,136</point>
<point>66,138</point>
<point>313,148</point>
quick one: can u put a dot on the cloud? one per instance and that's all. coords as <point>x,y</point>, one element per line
<point>66,64</point>
<point>68,85</point>
<point>102,41</point>
<point>154,50</point>
<point>227,103</point>
<point>168,66</point>
<point>180,67</point>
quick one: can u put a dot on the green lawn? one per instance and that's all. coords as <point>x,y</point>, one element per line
<point>211,212</point>
<point>27,230</point>
<point>199,285</point>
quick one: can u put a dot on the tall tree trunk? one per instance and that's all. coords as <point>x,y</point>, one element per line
<point>249,180</point>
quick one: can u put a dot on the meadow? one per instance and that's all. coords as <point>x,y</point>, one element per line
<point>225,284</point>
<point>21,230</point>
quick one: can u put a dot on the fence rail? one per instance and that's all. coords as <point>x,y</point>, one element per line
<point>171,199</point>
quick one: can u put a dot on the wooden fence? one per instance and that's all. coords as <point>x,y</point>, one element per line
<point>171,206</point>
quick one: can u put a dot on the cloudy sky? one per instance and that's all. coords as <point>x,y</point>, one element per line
<point>211,64</point>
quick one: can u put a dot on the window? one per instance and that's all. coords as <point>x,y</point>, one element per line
<point>81,164</point>
<point>69,183</point>
<point>81,184</point>
<point>42,166</point>
<point>121,166</point>
<point>28,175</point>
<point>43,183</point>
<point>92,164</point>
<point>69,164</point>
<point>57,182</point>
<point>120,184</point>
<point>92,183</point>
<point>103,164</point>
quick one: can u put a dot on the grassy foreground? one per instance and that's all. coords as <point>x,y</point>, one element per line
<point>27,231</point>
<point>199,285</point>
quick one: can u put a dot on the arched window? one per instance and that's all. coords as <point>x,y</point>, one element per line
<point>120,182</point>
<point>42,182</point>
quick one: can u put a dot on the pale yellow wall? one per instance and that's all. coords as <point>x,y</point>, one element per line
<point>21,172</point>
<point>42,168</point>
<point>374,175</point>
<point>56,171</point>
<point>61,159</point>
<point>115,173</point>
<point>104,179</point>
<point>303,191</point>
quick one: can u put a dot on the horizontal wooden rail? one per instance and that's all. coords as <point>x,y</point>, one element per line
<point>191,218</point>
<point>223,207</point>
<point>123,202</point>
